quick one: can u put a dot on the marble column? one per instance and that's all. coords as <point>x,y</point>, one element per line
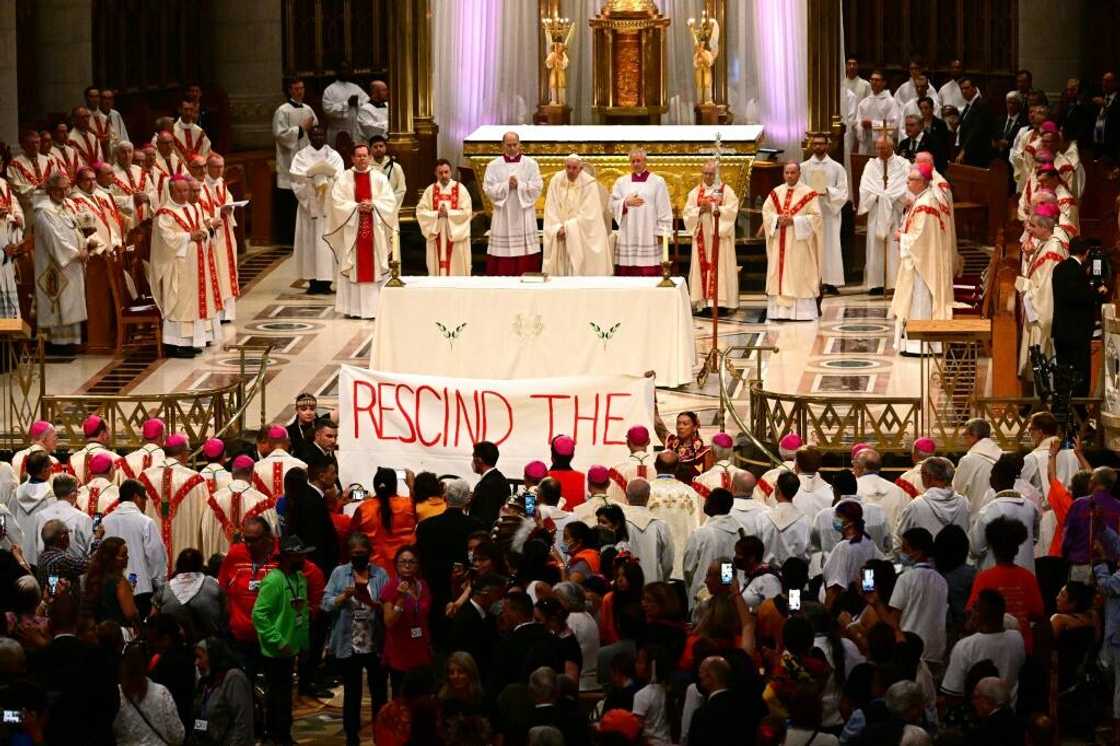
<point>1056,54</point>
<point>823,50</point>
<point>422,121</point>
<point>248,65</point>
<point>402,96</point>
<point>9,80</point>
<point>64,52</point>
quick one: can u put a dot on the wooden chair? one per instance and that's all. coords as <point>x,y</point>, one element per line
<point>131,313</point>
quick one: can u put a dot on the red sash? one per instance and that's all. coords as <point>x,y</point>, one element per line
<point>1042,259</point>
<point>100,126</point>
<point>95,207</point>
<point>926,209</point>
<point>188,149</point>
<point>766,487</point>
<point>145,464</point>
<point>89,153</point>
<point>277,482</point>
<point>908,488</point>
<point>191,224</point>
<point>443,241</point>
<point>724,480</point>
<point>131,189</point>
<point>365,262</point>
<point>707,277</point>
<point>168,502</point>
<point>71,166</point>
<point>112,206</point>
<point>38,177</point>
<point>782,229</point>
<point>231,244</point>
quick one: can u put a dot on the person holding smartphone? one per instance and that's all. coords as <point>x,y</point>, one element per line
<point>842,568</point>
<point>407,604</point>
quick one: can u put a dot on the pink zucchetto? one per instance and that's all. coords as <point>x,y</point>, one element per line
<point>101,463</point>
<point>638,435</point>
<point>859,447</point>
<point>1048,126</point>
<point>177,440</point>
<point>242,463</point>
<point>1043,156</point>
<point>536,470</point>
<point>598,475</point>
<point>153,429</point>
<point>38,429</point>
<point>1045,167</point>
<point>277,432</point>
<point>564,446</point>
<point>925,445</point>
<point>789,444</point>
<point>723,440</point>
<point>925,170</point>
<point>213,448</point>
<point>91,425</point>
<point>1047,210</point>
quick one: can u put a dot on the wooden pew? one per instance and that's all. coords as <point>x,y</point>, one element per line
<point>1001,305</point>
<point>979,200</point>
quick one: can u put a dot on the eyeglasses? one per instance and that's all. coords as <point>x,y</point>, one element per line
<point>406,561</point>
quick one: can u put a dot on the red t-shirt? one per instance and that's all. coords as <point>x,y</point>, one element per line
<point>1020,592</point>
<point>573,486</point>
<point>405,647</point>
<point>241,581</point>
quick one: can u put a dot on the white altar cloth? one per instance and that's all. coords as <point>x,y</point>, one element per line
<point>500,327</point>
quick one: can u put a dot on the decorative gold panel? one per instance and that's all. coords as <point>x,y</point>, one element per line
<point>681,172</point>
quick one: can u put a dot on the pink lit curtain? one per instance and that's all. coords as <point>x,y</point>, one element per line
<point>778,42</point>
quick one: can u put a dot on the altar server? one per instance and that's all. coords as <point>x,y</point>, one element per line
<point>361,217</point>
<point>829,180</point>
<point>575,237</point>
<point>380,158</point>
<point>291,126</point>
<point>341,101</point>
<point>373,115</point>
<point>925,275</point>
<point>312,171</point>
<point>710,211</point>
<point>225,239</point>
<point>182,285</point>
<point>641,208</point>
<point>444,215</point>
<point>877,111</point>
<point>791,220</point>
<point>60,256</point>
<point>882,197</point>
<point>513,183</point>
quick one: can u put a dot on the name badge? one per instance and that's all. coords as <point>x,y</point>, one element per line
<point>417,633</point>
<point>200,726</point>
<point>254,586</point>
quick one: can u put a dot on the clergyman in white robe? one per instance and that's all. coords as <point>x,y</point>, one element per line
<point>882,197</point>
<point>340,115</point>
<point>710,211</point>
<point>361,239</point>
<point>60,278</point>
<point>575,237</point>
<point>11,234</point>
<point>313,171</point>
<point>444,215</point>
<point>291,124</point>
<point>793,274</point>
<point>644,215</point>
<point>828,179</point>
<point>513,183</point>
<point>875,112</point>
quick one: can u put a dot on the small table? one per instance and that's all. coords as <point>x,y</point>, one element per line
<point>503,328</point>
<point>954,373</point>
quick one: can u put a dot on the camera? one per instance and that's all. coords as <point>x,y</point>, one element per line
<point>726,572</point>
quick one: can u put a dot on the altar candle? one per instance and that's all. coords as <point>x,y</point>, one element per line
<point>665,247</point>
<point>397,246</point>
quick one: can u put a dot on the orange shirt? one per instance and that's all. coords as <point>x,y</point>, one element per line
<point>1020,592</point>
<point>386,541</point>
<point>573,486</point>
<point>430,508</point>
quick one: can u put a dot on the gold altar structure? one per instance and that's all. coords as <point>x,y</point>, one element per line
<point>629,53</point>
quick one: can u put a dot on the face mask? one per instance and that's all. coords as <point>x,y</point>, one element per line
<point>359,562</point>
<point>563,547</point>
<point>906,560</point>
<point>838,525</point>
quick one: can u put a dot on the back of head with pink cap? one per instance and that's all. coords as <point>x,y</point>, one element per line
<point>243,463</point>
<point>925,445</point>
<point>153,429</point>
<point>789,444</point>
<point>277,433</point>
<point>536,470</point>
<point>101,463</point>
<point>176,440</point>
<point>213,448</point>
<point>564,446</point>
<point>38,429</point>
<point>638,435</point>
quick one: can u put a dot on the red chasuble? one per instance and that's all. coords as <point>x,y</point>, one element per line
<point>363,247</point>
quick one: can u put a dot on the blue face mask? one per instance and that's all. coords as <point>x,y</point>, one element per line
<point>906,560</point>
<point>563,546</point>
<point>838,525</point>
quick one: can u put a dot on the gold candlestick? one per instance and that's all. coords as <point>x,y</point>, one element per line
<point>394,275</point>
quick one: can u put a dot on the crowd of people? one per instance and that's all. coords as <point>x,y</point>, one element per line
<point>673,598</point>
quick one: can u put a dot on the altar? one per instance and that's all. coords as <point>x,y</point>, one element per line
<point>676,152</point>
<point>503,328</point>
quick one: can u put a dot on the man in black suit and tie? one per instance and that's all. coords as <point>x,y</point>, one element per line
<point>320,450</point>
<point>1075,311</point>
<point>1106,119</point>
<point>709,724</point>
<point>1014,120</point>
<point>471,629</point>
<point>918,140</point>
<point>527,645</point>
<point>976,128</point>
<point>442,541</point>
<point>492,490</point>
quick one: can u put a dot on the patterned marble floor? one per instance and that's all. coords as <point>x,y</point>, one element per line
<point>848,351</point>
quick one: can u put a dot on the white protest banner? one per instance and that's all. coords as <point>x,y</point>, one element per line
<point>430,423</point>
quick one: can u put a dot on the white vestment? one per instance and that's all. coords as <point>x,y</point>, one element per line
<point>711,236</point>
<point>793,264</point>
<point>1021,155</point>
<point>224,245</point>
<point>448,235</point>
<point>290,136</point>
<point>848,104</point>
<point>637,464</point>
<point>109,125</point>
<point>973,472</point>
<point>651,542</point>
<point>883,203</point>
<point>79,460</point>
<point>712,542</point>
<point>924,288</point>
<point>513,228</point>
<point>906,108</point>
<point>26,176</point>
<point>785,532</point>
<point>681,508</point>
<point>87,146</point>
<point>227,510</point>
<point>94,213</point>
<point>874,490</point>
<point>880,110</point>
<point>177,497</point>
<point>1037,293</point>
<point>145,457</point>
<point>857,86</point>
<point>373,119</point>
<point>269,472</point>
<point>640,228</point>
<point>950,95</point>
<point>126,184</point>
<point>99,495</point>
<point>360,275</point>
<point>574,207</point>
<point>395,174</point>
<point>721,475</point>
<point>830,181</point>
<point>341,116</point>
<point>311,176</point>
<point>184,277</point>
<point>1006,504</point>
<point>60,277</point>
<point>11,232</point>
<point>190,139</point>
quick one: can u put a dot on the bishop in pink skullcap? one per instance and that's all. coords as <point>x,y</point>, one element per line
<point>213,448</point>
<point>1048,126</point>
<point>1043,156</point>
<point>92,425</point>
<point>153,429</point>
<point>1045,167</point>
<point>638,435</point>
<point>563,446</point>
<point>925,445</point>
<point>1047,210</point>
<point>535,471</point>
<point>723,440</point>
<point>101,463</point>
<point>176,440</point>
<point>859,447</point>
<point>38,429</point>
<point>243,463</point>
<point>925,170</point>
<point>277,432</point>
<point>598,475</point>
<point>788,445</point>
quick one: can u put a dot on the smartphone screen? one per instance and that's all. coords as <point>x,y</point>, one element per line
<point>530,504</point>
<point>97,520</point>
<point>726,571</point>
<point>795,599</point>
<point>52,584</point>
<point>868,581</point>
<point>13,717</point>
<point>1097,268</point>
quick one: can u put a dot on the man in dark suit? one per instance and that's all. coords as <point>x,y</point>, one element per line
<point>1008,127</point>
<point>976,128</point>
<point>527,645</point>
<point>492,490</point>
<point>471,629</point>
<point>320,450</point>
<point>918,140</point>
<point>1075,114</point>
<point>1075,310</point>
<point>1106,119</point>
<point>442,541</point>
<point>306,514</point>
<point>709,724</point>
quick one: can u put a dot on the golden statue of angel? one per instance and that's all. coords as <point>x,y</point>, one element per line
<point>558,35</point>
<point>705,40</point>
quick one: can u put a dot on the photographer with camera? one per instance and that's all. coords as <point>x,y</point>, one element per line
<point>1075,311</point>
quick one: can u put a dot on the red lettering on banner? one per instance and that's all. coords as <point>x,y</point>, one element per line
<point>368,408</point>
<point>486,418</point>
<point>608,419</point>
<point>551,411</point>
<point>463,418</point>
<point>404,413</point>
<point>593,419</point>
<point>419,433</point>
<point>382,409</point>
